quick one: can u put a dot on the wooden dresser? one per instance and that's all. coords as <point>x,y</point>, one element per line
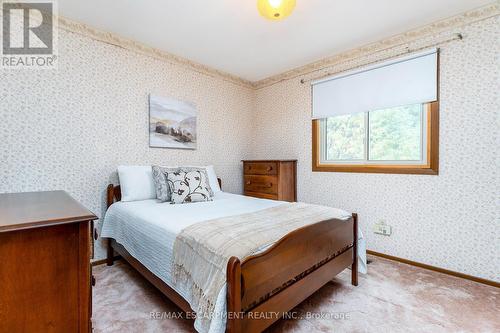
<point>271,179</point>
<point>45,273</point>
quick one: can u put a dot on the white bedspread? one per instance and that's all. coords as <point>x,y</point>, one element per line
<point>147,229</point>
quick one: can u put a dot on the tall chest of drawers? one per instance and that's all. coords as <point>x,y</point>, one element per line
<point>45,273</point>
<point>270,179</point>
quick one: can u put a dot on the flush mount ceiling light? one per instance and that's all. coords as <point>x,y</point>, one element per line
<point>275,9</point>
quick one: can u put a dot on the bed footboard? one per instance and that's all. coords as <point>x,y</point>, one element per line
<point>264,287</point>
<point>276,280</point>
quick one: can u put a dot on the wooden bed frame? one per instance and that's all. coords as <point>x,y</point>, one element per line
<point>274,281</point>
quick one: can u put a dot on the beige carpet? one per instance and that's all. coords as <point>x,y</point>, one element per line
<point>393,297</point>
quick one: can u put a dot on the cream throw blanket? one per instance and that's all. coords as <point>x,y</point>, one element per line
<point>202,251</point>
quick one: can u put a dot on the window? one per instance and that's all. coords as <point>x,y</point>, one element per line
<point>392,135</point>
<point>358,128</point>
<point>393,140</point>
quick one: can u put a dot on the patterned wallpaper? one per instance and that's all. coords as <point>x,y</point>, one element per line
<point>69,128</point>
<point>451,220</point>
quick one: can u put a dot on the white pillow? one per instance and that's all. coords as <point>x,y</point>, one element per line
<point>212,178</point>
<point>136,182</point>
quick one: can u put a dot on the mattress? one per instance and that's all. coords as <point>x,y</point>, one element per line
<point>147,229</point>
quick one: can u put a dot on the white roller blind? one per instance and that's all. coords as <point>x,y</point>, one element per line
<point>403,81</point>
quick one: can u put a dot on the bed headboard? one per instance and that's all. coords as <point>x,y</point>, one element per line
<point>113,193</point>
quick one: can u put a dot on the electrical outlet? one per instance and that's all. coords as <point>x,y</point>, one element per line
<point>382,228</point>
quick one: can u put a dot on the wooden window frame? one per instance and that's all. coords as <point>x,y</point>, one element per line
<point>430,168</point>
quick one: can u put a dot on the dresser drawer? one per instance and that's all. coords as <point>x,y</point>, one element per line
<point>262,195</point>
<point>261,168</point>
<point>263,184</point>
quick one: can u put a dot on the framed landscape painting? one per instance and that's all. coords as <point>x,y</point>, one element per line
<point>172,123</point>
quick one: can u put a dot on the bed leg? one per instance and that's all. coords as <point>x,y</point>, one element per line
<point>233,324</point>
<point>354,267</point>
<point>109,253</point>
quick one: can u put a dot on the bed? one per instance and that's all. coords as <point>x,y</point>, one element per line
<point>273,280</point>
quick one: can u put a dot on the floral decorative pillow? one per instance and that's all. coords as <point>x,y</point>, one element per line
<point>160,181</point>
<point>189,185</point>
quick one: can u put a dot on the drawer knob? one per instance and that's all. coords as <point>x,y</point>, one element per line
<point>270,185</point>
<point>269,168</point>
<point>248,183</point>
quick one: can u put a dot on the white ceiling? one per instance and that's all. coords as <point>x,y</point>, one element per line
<point>231,36</point>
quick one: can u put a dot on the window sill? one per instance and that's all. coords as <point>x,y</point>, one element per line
<point>396,169</point>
